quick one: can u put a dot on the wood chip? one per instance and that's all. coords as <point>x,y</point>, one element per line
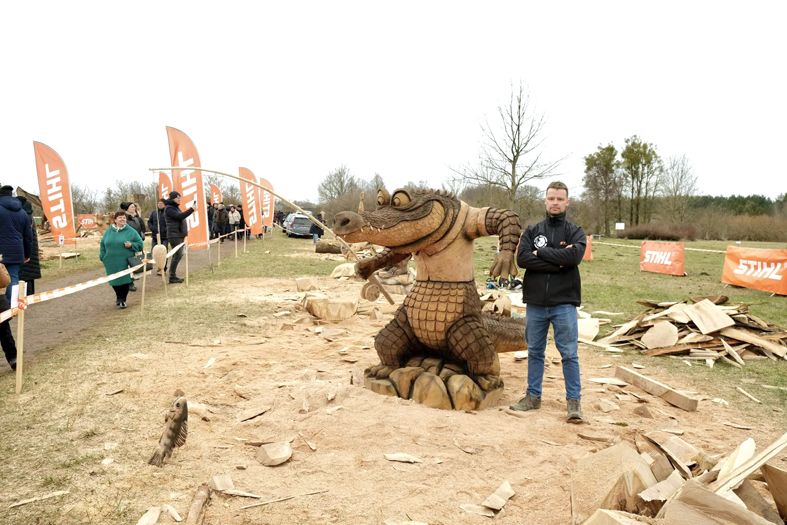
<point>745,393</point>
<point>150,517</point>
<point>708,317</point>
<point>660,335</point>
<point>656,388</point>
<point>169,509</point>
<point>472,508</point>
<point>39,498</point>
<point>608,381</point>
<point>252,413</point>
<point>603,438</point>
<point>401,457</point>
<point>736,425</point>
<point>500,497</point>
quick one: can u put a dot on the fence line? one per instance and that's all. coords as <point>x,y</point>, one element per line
<point>637,247</point>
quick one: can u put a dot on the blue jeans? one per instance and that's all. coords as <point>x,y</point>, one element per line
<point>13,271</point>
<point>315,238</point>
<point>563,318</point>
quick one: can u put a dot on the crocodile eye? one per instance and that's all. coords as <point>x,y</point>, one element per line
<point>400,199</point>
<point>383,198</point>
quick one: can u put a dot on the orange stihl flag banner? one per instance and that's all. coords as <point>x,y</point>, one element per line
<point>250,201</point>
<point>87,221</point>
<point>55,191</point>
<point>757,268</point>
<point>662,257</point>
<point>215,194</point>
<point>588,249</point>
<point>266,199</point>
<point>189,184</point>
<point>164,185</point>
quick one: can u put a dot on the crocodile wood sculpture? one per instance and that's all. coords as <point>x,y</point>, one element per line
<point>440,330</point>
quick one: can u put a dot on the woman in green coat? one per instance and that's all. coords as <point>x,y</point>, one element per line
<point>118,244</point>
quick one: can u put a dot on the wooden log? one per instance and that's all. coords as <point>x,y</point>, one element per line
<point>326,246</point>
<point>656,388</point>
<point>201,497</point>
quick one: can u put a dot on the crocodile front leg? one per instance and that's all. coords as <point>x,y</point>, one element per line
<point>504,224</point>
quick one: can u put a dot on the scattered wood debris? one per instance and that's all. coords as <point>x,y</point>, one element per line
<point>706,329</point>
<point>401,457</point>
<point>39,498</point>
<point>673,482</point>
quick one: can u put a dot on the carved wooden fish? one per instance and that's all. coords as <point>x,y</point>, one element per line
<point>175,432</point>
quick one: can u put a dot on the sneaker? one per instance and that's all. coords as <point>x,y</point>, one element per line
<point>527,403</point>
<point>12,364</point>
<point>175,280</point>
<point>123,305</point>
<point>574,411</point>
<point>132,288</point>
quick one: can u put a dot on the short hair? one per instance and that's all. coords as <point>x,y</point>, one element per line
<point>557,185</point>
<point>119,213</point>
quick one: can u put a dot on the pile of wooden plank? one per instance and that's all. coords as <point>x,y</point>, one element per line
<point>663,479</point>
<point>703,328</point>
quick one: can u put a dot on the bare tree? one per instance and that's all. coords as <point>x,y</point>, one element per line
<point>679,185</point>
<point>84,199</point>
<point>337,183</point>
<point>511,155</point>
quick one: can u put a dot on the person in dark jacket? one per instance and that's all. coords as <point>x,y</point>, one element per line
<point>31,270</point>
<point>157,223</point>
<point>16,236</point>
<point>550,253</point>
<point>221,220</point>
<point>316,230</point>
<point>134,219</point>
<point>7,336</point>
<point>177,231</point>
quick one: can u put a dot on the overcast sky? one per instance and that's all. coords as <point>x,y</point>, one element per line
<point>293,90</point>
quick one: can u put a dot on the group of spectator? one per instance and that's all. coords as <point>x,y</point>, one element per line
<point>223,220</point>
<point>19,258</point>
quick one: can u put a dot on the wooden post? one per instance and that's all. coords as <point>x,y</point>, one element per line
<point>236,241</point>
<point>244,239</point>
<point>20,338</point>
<point>144,280</point>
<point>210,259</point>
<point>218,252</point>
<point>186,248</point>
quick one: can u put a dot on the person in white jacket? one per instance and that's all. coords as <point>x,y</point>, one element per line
<point>234,219</point>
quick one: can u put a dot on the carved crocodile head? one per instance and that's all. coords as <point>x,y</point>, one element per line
<point>406,222</point>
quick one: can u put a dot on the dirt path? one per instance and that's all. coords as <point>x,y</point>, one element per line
<point>54,323</point>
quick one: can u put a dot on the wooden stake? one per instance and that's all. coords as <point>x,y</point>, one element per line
<point>20,338</point>
<point>186,249</point>
<point>244,239</point>
<point>745,393</point>
<point>144,281</point>
<point>197,504</point>
<point>236,242</point>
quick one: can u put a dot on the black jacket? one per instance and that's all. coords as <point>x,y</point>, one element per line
<point>176,220</point>
<point>158,218</point>
<point>31,270</point>
<point>16,231</point>
<point>552,274</point>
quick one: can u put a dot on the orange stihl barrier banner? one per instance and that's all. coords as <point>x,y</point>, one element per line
<point>164,185</point>
<point>55,191</point>
<point>266,200</point>
<point>250,201</point>
<point>757,268</point>
<point>215,194</point>
<point>662,257</point>
<point>87,221</point>
<point>588,249</point>
<point>189,184</point>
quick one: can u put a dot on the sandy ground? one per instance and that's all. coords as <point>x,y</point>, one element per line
<point>284,364</point>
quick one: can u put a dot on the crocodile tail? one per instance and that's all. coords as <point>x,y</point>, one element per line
<point>507,333</point>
